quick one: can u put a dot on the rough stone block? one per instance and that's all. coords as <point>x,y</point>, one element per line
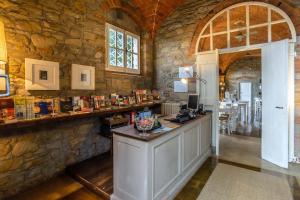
<point>23,147</point>
<point>41,41</point>
<point>74,42</point>
<point>10,164</point>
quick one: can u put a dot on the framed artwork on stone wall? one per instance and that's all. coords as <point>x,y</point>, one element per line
<point>4,85</point>
<point>186,72</point>
<point>180,87</point>
<point>83,77</point>
<point>41,75</point>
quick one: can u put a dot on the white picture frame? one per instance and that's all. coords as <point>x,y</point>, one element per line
<point>83,77</point>
<point>186,72</point>
<point>41,75</point>
<point>180,87</point>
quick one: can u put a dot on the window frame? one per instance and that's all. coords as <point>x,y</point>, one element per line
<point>116,68</point>
<point>209,26</point>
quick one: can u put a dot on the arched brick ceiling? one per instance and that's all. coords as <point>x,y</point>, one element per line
<point>227,59</point>
<point>151,13</point>
<point>148,13</point>
<point>155,11</point>
<point>295,3</point>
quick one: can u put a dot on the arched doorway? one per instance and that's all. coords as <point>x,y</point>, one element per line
<point>246,26</point>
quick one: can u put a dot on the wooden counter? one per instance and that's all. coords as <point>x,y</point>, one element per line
<point>131,132</point>
<point>158,166</point>
<point>17,124</point>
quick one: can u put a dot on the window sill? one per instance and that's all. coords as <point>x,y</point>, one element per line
<point>124,71</point>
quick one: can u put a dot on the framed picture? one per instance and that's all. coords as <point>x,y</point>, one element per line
<point>4,85</point>
<point>83,77</point>
<point>180,87</point>
<point>186,72</point>
<point>41,75</point>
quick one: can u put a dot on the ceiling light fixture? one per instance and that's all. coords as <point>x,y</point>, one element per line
<point>239,37</point>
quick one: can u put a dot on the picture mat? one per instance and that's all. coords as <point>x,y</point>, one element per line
<point>180,87</point>
<point>83,77</point>
<point>186,72</point>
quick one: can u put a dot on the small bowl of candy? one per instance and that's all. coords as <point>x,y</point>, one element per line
<point>145,124</point>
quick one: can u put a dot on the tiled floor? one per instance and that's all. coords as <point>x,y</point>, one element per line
<point>251,130</point>
<point>65,188</point>
<point>247,150</point>
<point>193,188</point>
<point>236,183</point>
<point>241,149</point>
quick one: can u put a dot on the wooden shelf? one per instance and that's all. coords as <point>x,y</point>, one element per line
<point>17,124</point>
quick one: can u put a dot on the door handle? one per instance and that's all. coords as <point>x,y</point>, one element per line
<point>279,107</point>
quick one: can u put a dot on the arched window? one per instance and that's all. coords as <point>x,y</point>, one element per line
<point>245,24</point>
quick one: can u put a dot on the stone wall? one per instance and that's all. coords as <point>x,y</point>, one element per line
<point>172,44</point>
<point>29,157</point>
<point>247,69</point>
<point>68,32</point>
<point>175,42</point>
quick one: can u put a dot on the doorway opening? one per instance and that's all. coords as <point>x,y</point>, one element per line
<point>240,108</point>
<point>244,27</point>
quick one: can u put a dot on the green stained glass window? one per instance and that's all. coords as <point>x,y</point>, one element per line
<point>112,38</point>
<point>123,50</point>
<point>129,43</point>
<point>129,60</point>
<point>112,56</point>
<point>135,61</point>
<point>120,40</point>
<point>120,58</point>
<point>135,45</point>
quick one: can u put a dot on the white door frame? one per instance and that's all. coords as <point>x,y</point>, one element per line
<point>209,96</point>
<point>291,103</point>
<point>291,89</point>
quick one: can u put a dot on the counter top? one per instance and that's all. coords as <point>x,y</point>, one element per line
<point>130,132</point>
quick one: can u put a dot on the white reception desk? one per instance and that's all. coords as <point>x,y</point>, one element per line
<point>158,166</point>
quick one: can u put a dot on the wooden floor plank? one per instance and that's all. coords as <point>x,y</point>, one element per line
<point>54,189</point>
<point>83,194</point>
<point>96,174</point>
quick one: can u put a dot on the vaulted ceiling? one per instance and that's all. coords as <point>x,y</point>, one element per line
<point>227,59</point>
<point>155,11</point>
<point>295,3</point>
<point>151,13</point>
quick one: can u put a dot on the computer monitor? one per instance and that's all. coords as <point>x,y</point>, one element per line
<point>193,101</point>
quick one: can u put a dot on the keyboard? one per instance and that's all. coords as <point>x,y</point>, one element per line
<point>180,119</point>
